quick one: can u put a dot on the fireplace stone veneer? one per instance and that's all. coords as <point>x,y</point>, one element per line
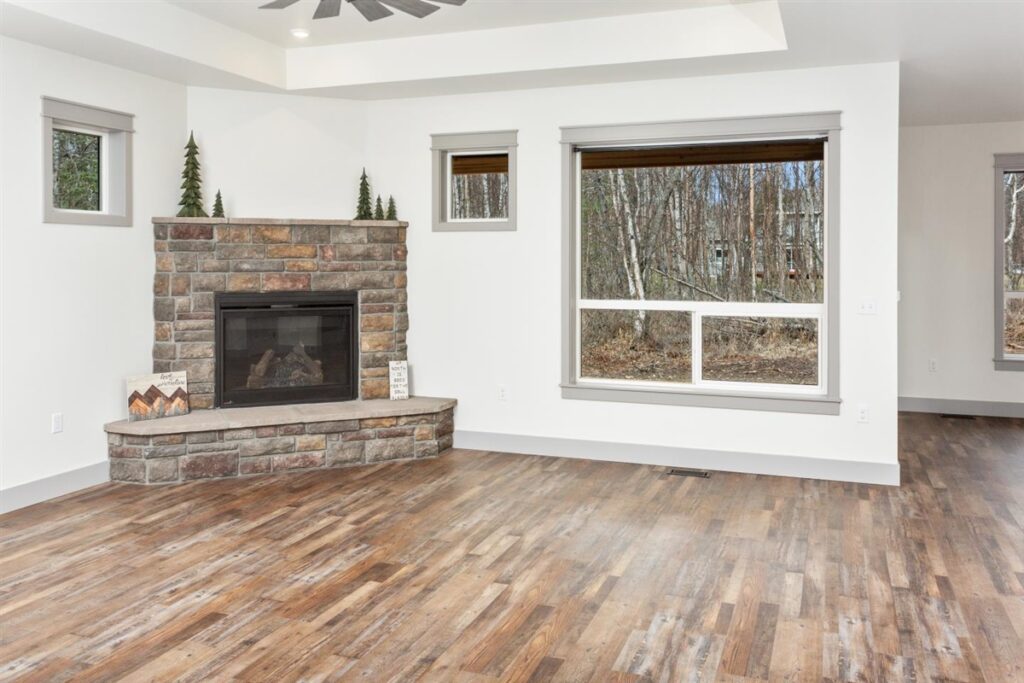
<point>198,257</point>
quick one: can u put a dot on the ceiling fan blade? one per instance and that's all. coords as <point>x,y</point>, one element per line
<point>327,8</point>
<point>417,8</point>
<point>371,9</point>
<point>278,4</point>
<point>451,2</point>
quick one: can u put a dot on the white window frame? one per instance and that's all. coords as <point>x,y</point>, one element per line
<point>822,398</point>
<point>115,131</point>
<point>1003,164</point>
<point>446,145</point>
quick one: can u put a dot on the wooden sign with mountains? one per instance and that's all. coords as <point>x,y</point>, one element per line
<point>164,394</point>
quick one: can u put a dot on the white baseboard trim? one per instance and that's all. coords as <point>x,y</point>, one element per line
<point>696,458</point>
<point>58,485</point>
<point>948,406</point>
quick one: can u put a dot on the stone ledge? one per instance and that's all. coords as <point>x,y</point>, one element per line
<point>262,416</point>
<point>170,220</point>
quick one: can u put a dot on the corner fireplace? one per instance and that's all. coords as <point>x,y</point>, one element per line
<point>289,347</point>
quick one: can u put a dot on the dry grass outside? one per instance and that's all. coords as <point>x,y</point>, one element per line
<point>755,350</point>
<point>1013,335</point>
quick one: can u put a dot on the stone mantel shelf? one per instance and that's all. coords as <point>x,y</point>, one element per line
<point>171,220</point>
<point>260,416</point>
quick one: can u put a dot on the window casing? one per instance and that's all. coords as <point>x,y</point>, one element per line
<point>69,131</point>
<point>1009,261</point>
<point>702,319</point>
<point>474,181</point>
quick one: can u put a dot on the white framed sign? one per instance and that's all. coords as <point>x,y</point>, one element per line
<point>398,373</point>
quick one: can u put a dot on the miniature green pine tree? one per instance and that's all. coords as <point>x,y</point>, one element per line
<point>192,190</point>
<point>378,211</point>
<point>364,210</point>
<point>218,206</point>
<point>392,214</point>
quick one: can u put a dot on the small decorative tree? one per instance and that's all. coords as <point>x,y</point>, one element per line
<point>392,214</point>
<point>364,209</point>
<point>218,206</point>
<point>378,210</point>
<point>191,185</point>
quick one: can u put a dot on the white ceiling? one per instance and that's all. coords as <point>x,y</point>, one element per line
<point>350,27</point>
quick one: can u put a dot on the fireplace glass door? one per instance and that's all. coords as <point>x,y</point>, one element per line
<point>277,349</point>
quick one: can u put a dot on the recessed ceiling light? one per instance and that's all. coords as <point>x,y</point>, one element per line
<point>300,33</point>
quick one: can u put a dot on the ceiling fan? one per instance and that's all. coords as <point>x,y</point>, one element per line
<point>372,10</point>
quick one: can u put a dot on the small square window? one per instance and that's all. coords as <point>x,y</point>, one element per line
<point>87,164</point>
<point>474,181</point>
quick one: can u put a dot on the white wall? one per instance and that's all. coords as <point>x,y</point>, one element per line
<point>485,307</point>
<point>76,300</point>
<point>279,156</point>
<point>946,261</point>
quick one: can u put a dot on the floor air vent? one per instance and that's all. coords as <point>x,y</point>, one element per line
<point>956,417</point>
<point>683,472</point>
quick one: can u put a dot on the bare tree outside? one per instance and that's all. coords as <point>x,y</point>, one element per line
<point>76,170</point>
<point>479,186</point>
<point>732,232</point>
<point>1013,263</point>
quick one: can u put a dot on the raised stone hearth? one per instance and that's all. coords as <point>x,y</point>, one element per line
<point>197,257</point>
<point>261,440</point>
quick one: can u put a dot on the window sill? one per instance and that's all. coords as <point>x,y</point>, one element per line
<point>475,226</point>
<point>62,217</point>
<point>782,403</point>
<point>1011,365</point>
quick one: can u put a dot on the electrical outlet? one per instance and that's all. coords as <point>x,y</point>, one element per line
<point>502,392</point>
<point>868,307</point>
<point>56,423</point>
<point>863,414</point>
<point>933,365</point>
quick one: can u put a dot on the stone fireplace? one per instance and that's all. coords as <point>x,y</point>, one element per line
<point>286,327</point>
<point>198,258</point>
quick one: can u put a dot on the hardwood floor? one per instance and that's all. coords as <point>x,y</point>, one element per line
<point>481,567</point>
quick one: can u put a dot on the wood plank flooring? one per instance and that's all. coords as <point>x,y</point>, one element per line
<point>482,567</point>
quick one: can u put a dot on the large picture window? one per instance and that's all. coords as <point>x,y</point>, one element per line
<point>1009,239</point>
<point>701,264</point>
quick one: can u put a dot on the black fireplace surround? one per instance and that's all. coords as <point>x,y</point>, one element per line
<point>286,347</point>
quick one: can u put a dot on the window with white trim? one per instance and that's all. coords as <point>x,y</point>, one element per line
<point>474,178</point>
<point>86,164</point>
<point>1009,212</point>
<point>701,267</point>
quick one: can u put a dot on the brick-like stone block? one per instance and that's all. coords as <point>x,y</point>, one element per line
<point>190,245</point>
<point>377,341</point>
<point>185,263</point>
<point>268,446</point>
<point>114,439</point>
<point>383,235</point>
<point>196,350</point>
<point>264,432</point>
<point>160,231</point>
<point>132,440</point>
<point>162,331</point>
<point>356,252</point>
<point>163,309</point>
<point>378,422</point>
<point>240,251</point>
<point>212,265</point>
<point>164,351</point>
<point>208,466</point>
<point>395,432</point>
<point>286,282</point>
<point>332,427</point>
<point>243,282</point>
<point>119,452</point>
<point>167,439</point>
<point>303,266</point>
<point>202,437</point>
<point>311,234</point>
<point>378,450</point>
<point>376,323</point>
<point>209,282</point>
<point>214,447</point>
<point>347,234</point>
<point>128,470</point>
<point>162,470</point>
<point>374,388</point>
<point>226,234</point>
<point>238,434</point>
<point>298,461</point>
<point>341,453</point>
<point>306,251</point>
<point>161,284</point>
<point>271,234</point>
<point>164,263</point>
<point>198,370</point>
<point>426,449</point>
<point>424,433</point>
<point>260,464</point>
<point>257,266</point>
<point>444,443</point>
<point>191,231</point>
<point>200,401</point>
<point>311,442</point>
<point>172,451</point>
